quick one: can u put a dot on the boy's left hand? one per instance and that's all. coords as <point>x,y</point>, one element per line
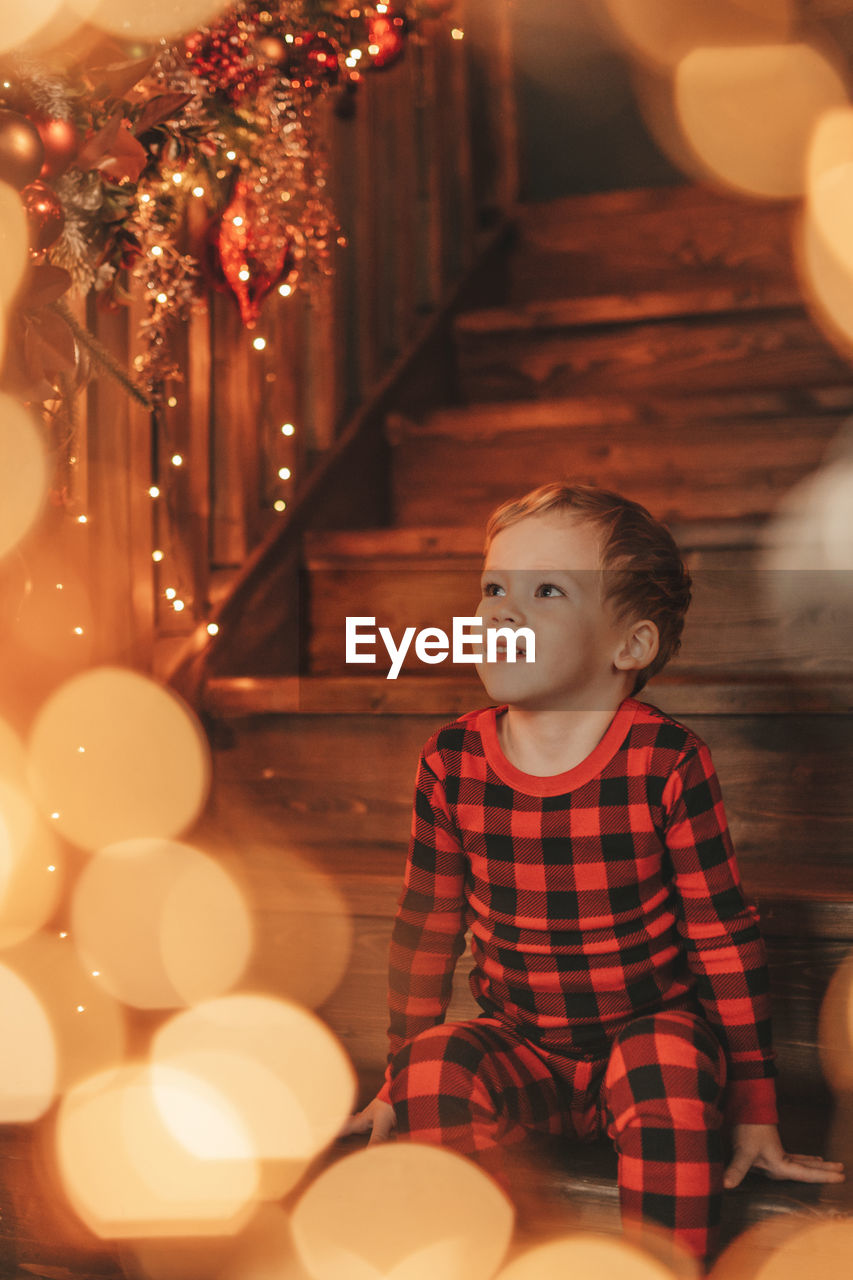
<point>758,1146</point>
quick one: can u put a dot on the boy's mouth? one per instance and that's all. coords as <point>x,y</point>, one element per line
<point>502,651</point>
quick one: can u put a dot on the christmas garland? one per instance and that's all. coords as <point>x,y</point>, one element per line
<point>186,166</point>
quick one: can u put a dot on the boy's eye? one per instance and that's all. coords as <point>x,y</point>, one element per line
<point>548,589</point>
<point>491,588</point>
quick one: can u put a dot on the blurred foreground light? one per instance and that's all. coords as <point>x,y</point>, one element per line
<point>403,1209</point>
<point>14,236</point>
<point>30,856</point>
<point>126,1173</point>
<point>662,32</point>
<point>826,245</point>
<point>20,21</point>
<point>584,1255</point>
<point>87,1042</point>
<point>748,113</point>
<point>264,1250</point>
<point>23,472</point>
<point>150,19</point>
<point>281,1069</point>
<point>164,925</point>
<point>145,768</point>
<point>836,1030</point>
<point>789,1248</point>
<point>28,1064</point>
<point>13,760</point>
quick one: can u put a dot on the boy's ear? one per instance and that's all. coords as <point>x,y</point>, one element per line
<point>638,647</point>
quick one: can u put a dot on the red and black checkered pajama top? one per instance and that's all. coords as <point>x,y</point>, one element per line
<point>591,896</point>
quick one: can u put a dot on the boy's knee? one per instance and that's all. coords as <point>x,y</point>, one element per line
<point>671,1058</point>
<point>441,1058</point>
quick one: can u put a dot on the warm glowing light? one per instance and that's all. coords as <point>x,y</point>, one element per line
<point>177,460</point>
<point>154,492</point>
<point>78,631</point>
<point>170,593</point>
<point>244,273</point>
<point>177,178</point>
<point>28,1069</point>
<point>586,1255</point>
<point>13,761</point>
<point>149,19</point>
<point>157,555</point>
<point>287,429</point>
<point>230,155</point>
<point>662,32</point>
<point>128,1175</point>
<point>82,519</point>
<point>212,629</point>
<point>748,113</point>
<point>29,856</point>
<point>162,298</point>
<point>172,402</point>
<point>457,33</point>
<point>156,251</point>
<point>14,236</point>
<point>280,1068</point>
<point>264,1250</point>
<point>279,505</point>
<point>788,1247</point>
<point>20,21</point>
<point>145,198</point>
<point>198,191</point>
<point>403,1209</point>
<point>146,769</point>
<point>65,989</point>
<point>237,220</point>
<point>178,606</point>
<point>164,923</point>
<point>836,1029</point>
<point>826,255</point>
<point>259,344</point>
<point>284,473</point>
<point>23,473</point>
<point>285,290</point>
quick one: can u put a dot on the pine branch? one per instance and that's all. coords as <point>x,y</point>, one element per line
<point>101,355</point>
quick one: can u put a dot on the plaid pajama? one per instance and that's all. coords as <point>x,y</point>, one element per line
<point>476,1087</point>
<point>595,899</point>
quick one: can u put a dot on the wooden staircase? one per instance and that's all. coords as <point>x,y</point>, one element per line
<point>651,341</point>
<point>654,342</point>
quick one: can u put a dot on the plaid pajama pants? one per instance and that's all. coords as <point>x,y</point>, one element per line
<point>475,1086</point>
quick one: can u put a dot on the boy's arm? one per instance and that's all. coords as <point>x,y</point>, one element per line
<point>429,929</point>
<point>720,931</point>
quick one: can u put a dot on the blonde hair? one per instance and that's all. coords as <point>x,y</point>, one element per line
<point>644,574</point>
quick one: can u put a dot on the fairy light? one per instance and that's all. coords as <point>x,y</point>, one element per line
<point>178,605</point>
<point>177,460</point>
<point>78,631</point>
<point>177,178</point>
<point>96,973</point>
<point>373,49</point>
<point>230,155</point>
<point>157,556</point>
<point>156,251</point>
<point>237,220</point>
<point>457,33</point>
<point>145,198</point>
<point>382,8</point>
<point>170,593</point>
<point>198,192</point>
<point>64,933</point>
<point>172,402</point>
<point>284,473</point>
<point>243,273</point>
<point>82,519</point>
<point>162,298</point>
<point>259,344</point>
<point>287,429</point>
<point>212,629</point>
<point>288,39</point>
<point>55,817</point>
<point>81,1008</point>
<point>154,492</point>
<point>285,290</point>
<point>59,586</point>
<point>51,867</point>
<point>280,504</point>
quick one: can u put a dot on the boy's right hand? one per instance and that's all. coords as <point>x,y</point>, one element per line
<point>377,1116</point>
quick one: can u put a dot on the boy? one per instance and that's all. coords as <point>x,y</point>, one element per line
<point>580,835</point>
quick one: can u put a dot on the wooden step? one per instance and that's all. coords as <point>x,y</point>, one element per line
<point>744,618</point>
<point>785,776</point>
<point>646,237</point>
<point>670,462</point>
<point>504,356</point>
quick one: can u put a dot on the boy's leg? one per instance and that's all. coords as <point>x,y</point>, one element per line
<point>474,1087</point>
<point>663,1098</point>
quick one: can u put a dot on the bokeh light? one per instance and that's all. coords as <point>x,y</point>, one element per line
<point>126,1173</point>
<point>163,924</point>
<point>836,1029</point>
<point>14,235</point>
<point>13,761</point>
<point>23,472</point>
<point>748,113</point>
<point>20,21</point>
<point>31,867</point>
<point>825,250</point>
<point>662,32</point>
<point>406,1210</point>
<point>150,19</point>
<point>88,1025</point>
<point>263,1251</point>
<point>118,756</point>
<point>586,1254</point>
<point>279,1066</point>
<point>790,1250</point>
<point>28,1063</point>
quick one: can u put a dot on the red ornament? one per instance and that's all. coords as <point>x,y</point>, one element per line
<point>223,56</point>
<point>61,143</point>
<point>315,60</point>
<point>21,150</point>
<point>255,251</point>
<point>44,215</point>
<point>386,34</point>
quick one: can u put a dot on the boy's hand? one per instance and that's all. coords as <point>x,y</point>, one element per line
<point>758,1146</point>
<point>377,1116</point>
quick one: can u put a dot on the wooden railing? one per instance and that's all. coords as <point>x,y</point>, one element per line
<point>425,166</point>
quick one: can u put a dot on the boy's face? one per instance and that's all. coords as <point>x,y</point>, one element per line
<point>544,573</point>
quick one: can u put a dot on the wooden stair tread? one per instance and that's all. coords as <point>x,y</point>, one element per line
<point>543,220</point>
<point>682,694</point>
<point>617,413</point>
<point>593,310</point>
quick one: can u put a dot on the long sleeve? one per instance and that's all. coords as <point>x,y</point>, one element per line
<point>721,936</point>
<point>429,928</point>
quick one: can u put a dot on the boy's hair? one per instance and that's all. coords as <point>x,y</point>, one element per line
<point>645,576</point>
